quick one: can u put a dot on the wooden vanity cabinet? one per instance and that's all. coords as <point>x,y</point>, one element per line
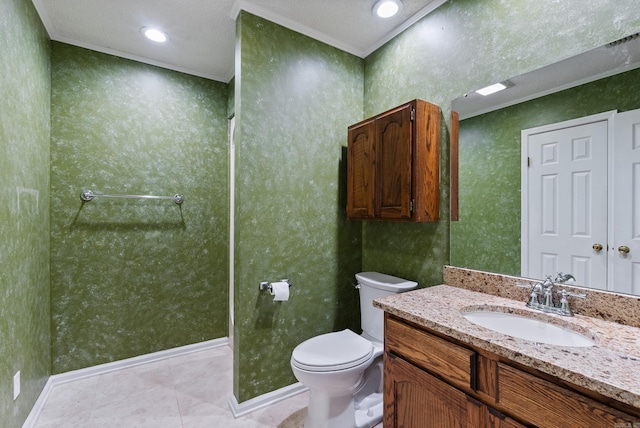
<point>393,165</point>
<point>416,399</point>
<point>430,381</point>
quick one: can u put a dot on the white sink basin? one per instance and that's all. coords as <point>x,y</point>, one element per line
<point>527,328</point>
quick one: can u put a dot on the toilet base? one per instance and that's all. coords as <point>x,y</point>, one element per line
<point>327,411</point>
<point>371,415</point>
<point>357,407</point>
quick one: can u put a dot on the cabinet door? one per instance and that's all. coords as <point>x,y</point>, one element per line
<point>415,399</point>
<point>545,404</point>
<point>361,165</point>
<point>393,157</point>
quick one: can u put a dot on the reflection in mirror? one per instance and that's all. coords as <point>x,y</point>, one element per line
<point>488,234</point>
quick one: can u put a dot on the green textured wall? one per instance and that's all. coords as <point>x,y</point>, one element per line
<point>294,98</point>
<point>487,237</point>
<point>25,86</point>
<point>130,277</point>
<point>464,45</point>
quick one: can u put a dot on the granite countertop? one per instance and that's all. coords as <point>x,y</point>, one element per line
<point>611,367</point>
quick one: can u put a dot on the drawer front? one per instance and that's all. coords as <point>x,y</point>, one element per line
<point>548,405</point>
<point>452,363</point>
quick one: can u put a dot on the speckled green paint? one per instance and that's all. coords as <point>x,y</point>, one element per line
<point>130,277</point>
<point>464,45</point>
<point>487,237</point>
<point>295,98</point>
<point>25,86</point>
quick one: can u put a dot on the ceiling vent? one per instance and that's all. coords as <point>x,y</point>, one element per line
<point>623,40</point>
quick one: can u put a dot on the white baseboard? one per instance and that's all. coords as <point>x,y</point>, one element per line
<point>39,404</point>
<point>74,375</point>
<point>264,400</point>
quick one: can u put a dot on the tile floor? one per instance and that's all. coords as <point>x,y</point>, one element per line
<point>172,393</point>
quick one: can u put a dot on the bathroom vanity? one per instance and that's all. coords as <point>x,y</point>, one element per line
<point>442,370</point>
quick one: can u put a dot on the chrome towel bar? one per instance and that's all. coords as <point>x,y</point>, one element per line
<point>88,195</point>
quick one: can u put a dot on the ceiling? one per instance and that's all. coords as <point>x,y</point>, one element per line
<point>202,32</point>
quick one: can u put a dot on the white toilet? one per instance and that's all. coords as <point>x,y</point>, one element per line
<point>343,370</point>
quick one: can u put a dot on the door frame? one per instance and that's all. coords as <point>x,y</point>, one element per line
<point>607,116</point>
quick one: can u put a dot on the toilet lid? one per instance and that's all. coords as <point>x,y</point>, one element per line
<point>332,351</point>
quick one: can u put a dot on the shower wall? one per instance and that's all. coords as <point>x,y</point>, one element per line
<point>134,276</point>
<point>25,86</point>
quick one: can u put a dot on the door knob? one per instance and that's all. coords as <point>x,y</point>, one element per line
<point>623,249</point>
<point>597,247</point>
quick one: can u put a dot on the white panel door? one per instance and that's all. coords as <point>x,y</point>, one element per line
<point>565,200</point>
<point>626,204</point>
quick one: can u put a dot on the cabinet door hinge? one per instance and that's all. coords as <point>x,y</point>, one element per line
<point>411,204</point>
<point>528,161</point>
<point>413,114</point>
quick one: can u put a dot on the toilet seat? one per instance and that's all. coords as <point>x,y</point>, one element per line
<point>332,351</point>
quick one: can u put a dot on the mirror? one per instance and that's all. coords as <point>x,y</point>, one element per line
<point>487,235</point>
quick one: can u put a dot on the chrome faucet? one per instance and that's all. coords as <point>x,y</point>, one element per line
<point>544,291</point>
<point>538,290</point>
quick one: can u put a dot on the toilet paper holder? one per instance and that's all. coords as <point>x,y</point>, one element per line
<point>266,285</point>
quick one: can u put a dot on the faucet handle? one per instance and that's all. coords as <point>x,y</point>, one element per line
<point>533,296</point>
<point>564,302</point>
<point>572,294</point>
<point>521,285</point>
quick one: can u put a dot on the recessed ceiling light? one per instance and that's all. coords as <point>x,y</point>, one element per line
<point>387,8</point>
<point>154,34</point>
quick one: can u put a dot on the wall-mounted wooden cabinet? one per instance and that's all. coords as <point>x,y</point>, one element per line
<point>393,165</point>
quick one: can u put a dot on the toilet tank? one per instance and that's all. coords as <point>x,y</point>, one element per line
<point>374,285</point>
